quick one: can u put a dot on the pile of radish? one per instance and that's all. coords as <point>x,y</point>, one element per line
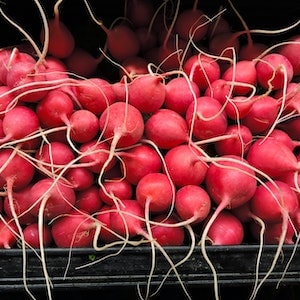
<point>195,143</point>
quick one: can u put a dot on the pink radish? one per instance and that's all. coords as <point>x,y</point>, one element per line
<point>89,200</point>
<point>50,198</point>
<point>167,235</point>
<point>272,157</point>
<point>185,166</point>
<point>61,40</point>
<point>273,70</point>
<point>54,109</point>
<point>238,141</point>
<point>6,98</point>
<point>166,129</point>
<point>192,203</point>
<point>75,230</point>
<point>180,93</point>
<point>7,232</point>
<point>94,94</point>
<point>271,199</point>
<point>114,190</point>
<point>206,119</point>
<point>147,93</point>
<point>202,69</point>
<point>121,124</point>
<point>80,178</point>
<point>219,89</point>
<point>32,236</point>
<point>139,161</point>
<point>140,12</point>
<point>156,191</point>
<point>134,66</point>
<point>226,230</point>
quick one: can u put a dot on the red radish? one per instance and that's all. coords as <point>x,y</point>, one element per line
<point>202,69</point>
<point>185,166</point>
<point>16,170</point>
<point>147,39</point>
<point>126,219</point>
<point>251,51</point>
<point>291,127</point>
<point>27,81</point>
<point>167,235</point>
<point>166,129</point>
<point>54,156</point>
<point>273,233</point>
<point>147,93</point>
<point>114,190</point>
<point>18,123</point>
<point>239,106</point>
<point>94,94</point>
<point>262,114</point>
<point>61,40</point>
<point>218,25</point>
<point>244,72</point>
<point>54,109</point>
<point>80,178</point>
<point>230,181</point>
<point>89,200</point>
<point>32,235</point>
<point>55,69</point>
<point>291,52</point>
<point>50,198</point>
<point>273,71</point>
<point>226,230</point>
<point>140,12</point>
<point>192,203</point>
<point>271,199</point>
<point>238,141</point>
<point>121,124</point>
<point>272,157</point>
<point>94,155</point>
<point>81,63</point>
<point>83,126</point>
<point>20,206</point>
<point>133,66</point>
<point>6,97</point>
<point>206,119</point>
<point>155,190</point>
<point>75,230</point>
<point>191,24</point>
<point>7,233</point>
<point>219,89</point>
<point>180,93</point>
<point>283,137</point>
<point>139,161</point>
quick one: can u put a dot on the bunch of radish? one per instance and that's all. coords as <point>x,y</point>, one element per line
<point>196,142</point>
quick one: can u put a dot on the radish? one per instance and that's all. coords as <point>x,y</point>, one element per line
<point>155,191</point>
<point>185,165</point>
<point>61,40</point>
<point>80,178</point>
<point>192,203</point>
<point>219,89</point>
<point>273,71</point>
<point>134,66</point>
<point>88,200</point>
<point>115,189</point>
<point>291,51</point>
<point>54,109</point>
<point>6,98</point>
<point>237,141</point>
<point>262,153</point>
<point>139,161</point>
<point>147,93</point>
<point>31,235</point>
<point>147,38</point>
<point>279,196</point>
<point>53,157</point>
<point>51,198</point>
<point>180,93</point>
<point>121,124</point>
<point>226,230</point>
<point>167,235</point>
<point>75,230</point>
<point>166,129</point>
<point>202,69</point>
<point>140,12</point>
<point>8,237</point>
<point>94,94</point>
<point>206,119</point>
